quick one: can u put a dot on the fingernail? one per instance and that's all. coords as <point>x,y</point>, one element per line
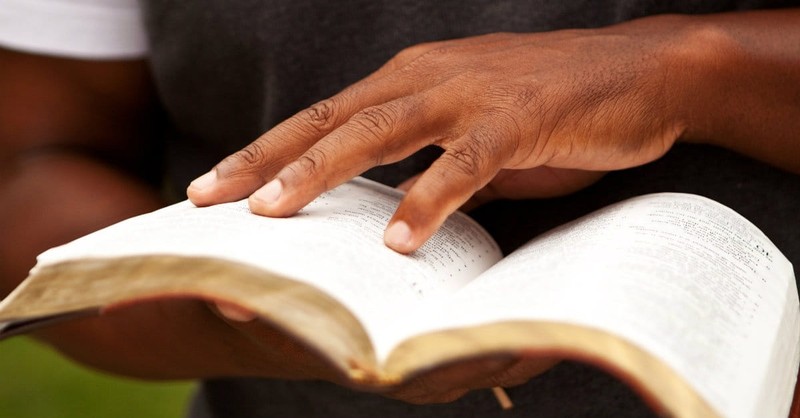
<point>204,181</point>
<point>235,313</point>
<point>398,236</point>
<point>270,192</point>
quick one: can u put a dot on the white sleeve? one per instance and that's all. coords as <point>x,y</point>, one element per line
<point>90,29</point>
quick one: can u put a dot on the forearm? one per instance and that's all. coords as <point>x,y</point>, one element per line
<point>48,199</point>
<point>740,78</point>
<point>75,138</point>
<point>58,119</point>
<point>51,198</point>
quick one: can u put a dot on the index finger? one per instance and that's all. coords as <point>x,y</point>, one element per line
<point>243,172</point>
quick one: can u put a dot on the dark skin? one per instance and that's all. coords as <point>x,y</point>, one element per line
<point>531,115</point>
<point>523,115</point>
<point>57,116</point>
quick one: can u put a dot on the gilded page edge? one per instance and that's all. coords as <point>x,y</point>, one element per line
<point>660,387</point>
<point>311,316</point>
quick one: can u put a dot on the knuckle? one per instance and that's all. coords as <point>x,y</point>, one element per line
<point>474,155</point>
<point>464,160</point>
<point>249,159</point>
<point>432,57</point>
<point>485,149</point>
<point>368,132</point>
<point>252,154</point>
<point>322,116</point>
<point>310,163</point>
<point>376,120</point>
<point>493,140</point>
<point>505,130</point>
<point>465,165</point>
<point>310,168</point>
<point>402,59</point>
<point>431,60</point>
<point>410,53</point>
<point>516,100</point>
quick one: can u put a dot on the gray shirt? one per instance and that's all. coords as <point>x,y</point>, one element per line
<point>227,71</point>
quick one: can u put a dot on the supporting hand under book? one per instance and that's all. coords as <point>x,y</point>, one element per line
<point>441,385</point>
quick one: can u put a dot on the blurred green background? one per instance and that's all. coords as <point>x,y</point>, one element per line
<point>35,382</point>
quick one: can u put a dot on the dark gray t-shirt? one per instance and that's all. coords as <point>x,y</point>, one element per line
<point>227,71</point>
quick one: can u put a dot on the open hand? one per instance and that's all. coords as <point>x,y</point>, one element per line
<point>502,106</point>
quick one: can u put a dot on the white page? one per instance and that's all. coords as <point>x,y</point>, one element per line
<point>335,243</point>
<point>645,271</point>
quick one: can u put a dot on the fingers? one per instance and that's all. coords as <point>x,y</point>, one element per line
<point>243,172</point>
<point>466,166</point>
<point>277,353</point>
<point>415,100</point>
<point>374,136</point>
<point>410,72</point>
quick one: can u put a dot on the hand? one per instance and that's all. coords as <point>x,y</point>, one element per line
<point>448,383</point>
<point>274,353</point>
<point>441,385</point>
<point>595,100</point>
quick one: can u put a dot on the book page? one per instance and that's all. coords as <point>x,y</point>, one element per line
<point>335,243</point>
<point>681,276</point>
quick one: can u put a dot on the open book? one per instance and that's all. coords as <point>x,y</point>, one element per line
<point>680,296</point>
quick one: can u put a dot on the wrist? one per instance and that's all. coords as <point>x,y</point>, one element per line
<point>51,198</point>
<point>703,62</point>
<point>736,83</point>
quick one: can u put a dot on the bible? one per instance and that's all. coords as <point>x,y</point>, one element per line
<point>676,294</point>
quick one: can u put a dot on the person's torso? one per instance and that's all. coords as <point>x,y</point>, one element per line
<point>228,71</point>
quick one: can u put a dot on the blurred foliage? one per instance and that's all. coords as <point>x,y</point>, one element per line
<point>36,382</point>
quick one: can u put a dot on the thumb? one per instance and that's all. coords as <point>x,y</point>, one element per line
<point>234,313</point>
